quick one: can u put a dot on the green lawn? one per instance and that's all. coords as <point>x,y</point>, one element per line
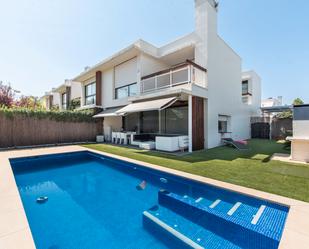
<point>251,168</point>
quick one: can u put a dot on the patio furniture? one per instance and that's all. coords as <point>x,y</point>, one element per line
<point>183,143</point>
<point>172,143</point>
<point>123,138</point>
<point>100,138</point>
<point>237,144</point>
<point>114,137</point>
<point>148,145</point>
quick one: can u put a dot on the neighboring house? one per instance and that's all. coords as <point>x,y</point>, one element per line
<point>193,86</point>
<point>47,100</point>
<point>271,107</point>
<point>62,96</point>
<point>251,89</point>
<point>272,102</point>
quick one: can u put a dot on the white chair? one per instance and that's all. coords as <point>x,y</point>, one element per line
<point>183,142</point>
<point>114,137</point>
<point>117,137</point>
<point>123,138</point>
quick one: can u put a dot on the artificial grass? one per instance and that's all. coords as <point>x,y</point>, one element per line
<point>251,168</point>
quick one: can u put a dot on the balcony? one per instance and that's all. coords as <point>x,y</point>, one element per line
<point>186,73</point>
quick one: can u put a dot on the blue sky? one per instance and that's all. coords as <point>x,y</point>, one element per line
<point>44,42</point>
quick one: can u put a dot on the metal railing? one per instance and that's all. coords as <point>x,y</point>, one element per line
<point>184,74</point>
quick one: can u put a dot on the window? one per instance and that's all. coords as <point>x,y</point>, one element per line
<point>90,94</point>
<point>245,87</point>
<point>224,123</point>
<point>64,101</point>
<point>174,120</point>
<point>245,99</point>
<point>126,91</point>
<point>222,126</point>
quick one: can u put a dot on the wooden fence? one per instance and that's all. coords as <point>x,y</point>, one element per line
<point>276,128</point>
<point>21,130</point>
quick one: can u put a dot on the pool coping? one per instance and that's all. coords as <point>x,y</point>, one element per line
<point>15,231</point>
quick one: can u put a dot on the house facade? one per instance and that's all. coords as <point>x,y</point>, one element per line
<point>62,96</point>
<point>193,86</point>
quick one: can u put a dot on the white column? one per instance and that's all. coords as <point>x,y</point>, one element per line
<point>82,99</point>
<point>60,101</point>
<point>190,122</point>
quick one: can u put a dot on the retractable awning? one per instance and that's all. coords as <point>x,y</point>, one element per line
<point>151,105</point>
<point>112,112</point>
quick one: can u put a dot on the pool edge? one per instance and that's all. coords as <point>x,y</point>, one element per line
<point>15,231</point>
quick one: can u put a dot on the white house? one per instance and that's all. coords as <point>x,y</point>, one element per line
<point>62,95</point>
<point>193,87</point>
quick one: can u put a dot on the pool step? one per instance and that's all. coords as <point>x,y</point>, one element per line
<point>234,208</point>
<point>199,213</point>
<point>179,232</point>
<point>150,220</point>
<point>258,215</point>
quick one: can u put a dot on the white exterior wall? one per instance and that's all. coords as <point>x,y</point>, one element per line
<point>76,90</point>
<point>254,81</point>
<point>301,128</point>
<point>111,124</point>
<point>224,94</point>
<point>300,139</point>
<point>300,150</point>
<point>56,99</point>
<point>223,77</point>
<point>151,65</point>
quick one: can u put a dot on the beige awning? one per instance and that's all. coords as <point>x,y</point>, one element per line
<point>111,112</point>
<point>151,105</point>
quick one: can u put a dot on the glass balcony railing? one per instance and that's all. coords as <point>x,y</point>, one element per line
<point>183,74</point>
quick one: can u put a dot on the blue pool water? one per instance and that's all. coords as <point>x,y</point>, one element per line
<point>93,202</point>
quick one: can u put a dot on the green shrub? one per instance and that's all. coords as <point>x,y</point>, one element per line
<point>67,116</point>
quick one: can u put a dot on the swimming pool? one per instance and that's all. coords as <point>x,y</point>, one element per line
<point>93,202</point>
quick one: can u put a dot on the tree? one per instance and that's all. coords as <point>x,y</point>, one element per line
<point>29,102</point>
<point>74,104</point>
<point>6,95</point>
<point>298,101</point>
<point>289,114</point>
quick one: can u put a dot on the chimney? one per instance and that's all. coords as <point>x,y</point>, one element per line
<point>205,29</point>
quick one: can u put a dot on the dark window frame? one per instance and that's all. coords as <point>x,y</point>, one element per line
<point>220,127</point>
<point>93,96</point>
<point>245,82</point>
<point>128,90</point>
<point>64,100</point>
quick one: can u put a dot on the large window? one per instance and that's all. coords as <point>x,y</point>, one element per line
<point>90,94</point>
<point>245,87</point>
<point>64,101</point>
<point>126,91</point>
<point>174,120</point>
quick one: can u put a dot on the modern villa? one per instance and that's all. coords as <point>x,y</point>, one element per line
<point>193,86</point>
<point>61,189</point>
